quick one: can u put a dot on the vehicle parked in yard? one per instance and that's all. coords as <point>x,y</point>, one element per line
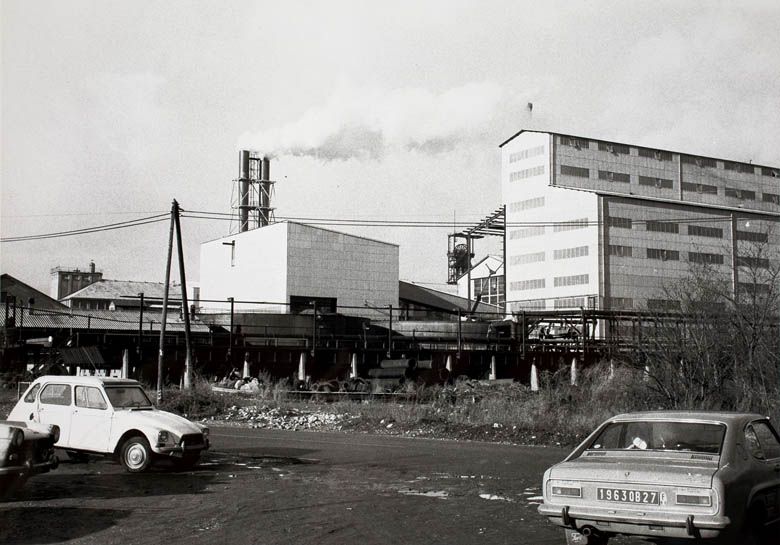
<point>682,475</point>
<point>24,452</point>
<point>110,416</point>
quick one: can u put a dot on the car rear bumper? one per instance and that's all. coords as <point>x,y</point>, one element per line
<point>676,525</point>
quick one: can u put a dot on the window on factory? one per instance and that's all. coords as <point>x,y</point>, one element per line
<point>536,202</point>
<point>526,154</point>
<point>660,183</point>
<point>570,253</point>
<point>614,176</point>
<point>752,236</point>
<point>773,172</point>
<point>528,232</point>
<point>739,167</point>
<point>701,231</point>
<point>569,302</point>
<point>700,188</point>
<point>663,254</point>
<point>752,262</point>
<point>580,172</point>
<point>303,303</point>
<point>771,197</point>
<point>578,143</point>
<point>617,149</point>
<point>526,173</point>
<point>655,154</point>
<point>709,259</point>
<point>742,194</point>
<point>490,289</point>
<point>621,302</point>
<point>754,288</point>
<point>699,161</point>
<point>523,285</point>
<point>662,226</point>
<point>530,304</point>
<point>620,251</point>
<point>571,225</point>
<point>525,259</point>
<point>621,223</point>
<point>663,304</point>
<point>573,280</point>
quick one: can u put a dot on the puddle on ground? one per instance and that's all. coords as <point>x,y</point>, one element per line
<point>440,494</point>
<point>494,497</point>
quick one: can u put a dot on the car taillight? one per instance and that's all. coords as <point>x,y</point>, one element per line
<point>569,491</point>
<point>693,499</point>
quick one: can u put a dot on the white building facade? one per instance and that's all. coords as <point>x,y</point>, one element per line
<point>285,266</point>
<point>599,224</point>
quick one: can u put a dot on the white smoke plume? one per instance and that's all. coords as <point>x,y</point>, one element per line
<point>361,123</point>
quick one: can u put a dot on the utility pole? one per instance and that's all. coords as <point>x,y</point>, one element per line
<point>161,353</point>
<point>184,303</point>
<point>141,332</point>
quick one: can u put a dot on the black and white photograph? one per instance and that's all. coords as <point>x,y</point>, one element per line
<point>376,273</point>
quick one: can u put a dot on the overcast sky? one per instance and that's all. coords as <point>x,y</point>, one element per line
<point>373,110</point>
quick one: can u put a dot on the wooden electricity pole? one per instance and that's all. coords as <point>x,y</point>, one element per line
<point>184,304</point>
<point>161,354</point>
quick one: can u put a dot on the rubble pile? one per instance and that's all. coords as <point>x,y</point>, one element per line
<point>284,419</point>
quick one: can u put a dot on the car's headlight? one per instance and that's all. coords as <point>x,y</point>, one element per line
<point>18,438</point>
<point>55,432</point>
<point>568,491</point>
<point>165,437</point>
<point>693,499</point>
<point>162,436</point>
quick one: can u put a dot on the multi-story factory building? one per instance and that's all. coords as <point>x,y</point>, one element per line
<point>600,224</point>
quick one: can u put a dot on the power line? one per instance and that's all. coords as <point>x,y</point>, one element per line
<point>89,230</point>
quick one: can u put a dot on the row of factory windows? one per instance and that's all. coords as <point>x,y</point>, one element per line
<point>673,227</point>
<point>693,257</point>
<point>526,173</point>
<point>526,154</point>
<point>559,227</point>
<point>558,282</point>
<point>664,183</point>
<point>704,162</point>
<point>537,257</point>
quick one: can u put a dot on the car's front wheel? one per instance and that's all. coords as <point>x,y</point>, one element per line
<point>136,454</point>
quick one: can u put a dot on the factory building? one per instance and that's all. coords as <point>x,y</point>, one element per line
<point>67,280</point>
<point>598,224</point>
<point>487,282</point>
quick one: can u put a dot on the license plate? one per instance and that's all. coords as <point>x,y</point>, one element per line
<point>625,495</point>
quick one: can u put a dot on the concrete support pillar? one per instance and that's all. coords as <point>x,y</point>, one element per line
<point>574,371</point>
<point>245,373</point>
<point>448,365</point>
<point>492,368</point>
<point>534,378</point>
<point>125,363</point>
<point>353,372</point>
<point>302,367</point>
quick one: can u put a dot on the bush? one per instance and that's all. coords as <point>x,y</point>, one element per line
<point>200,401</point>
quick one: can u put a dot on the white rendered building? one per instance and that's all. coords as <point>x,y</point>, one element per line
<point>285,266</point>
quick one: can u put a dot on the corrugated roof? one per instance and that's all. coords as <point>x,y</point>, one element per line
<point>112,290</point>
<point>438,300</point>
<point>23,292</point>
<point>105,320</point>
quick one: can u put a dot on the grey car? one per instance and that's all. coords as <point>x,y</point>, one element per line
<point>670,475</point>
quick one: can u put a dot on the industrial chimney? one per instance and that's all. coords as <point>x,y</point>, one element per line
<point>255,189</point>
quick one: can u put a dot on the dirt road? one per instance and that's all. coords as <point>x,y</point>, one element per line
<point>268,487</point>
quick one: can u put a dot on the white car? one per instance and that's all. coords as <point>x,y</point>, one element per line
<point>110,416</point>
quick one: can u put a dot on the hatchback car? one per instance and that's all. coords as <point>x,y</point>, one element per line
<point>683,475</point>
<point>110,416</point>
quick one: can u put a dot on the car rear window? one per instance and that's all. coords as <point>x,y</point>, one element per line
<point>56,394</point>
<point>655,435</point>
<point>127,397</point>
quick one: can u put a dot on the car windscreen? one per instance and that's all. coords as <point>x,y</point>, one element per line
<point>700,437</point>
<point>127,397</point>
